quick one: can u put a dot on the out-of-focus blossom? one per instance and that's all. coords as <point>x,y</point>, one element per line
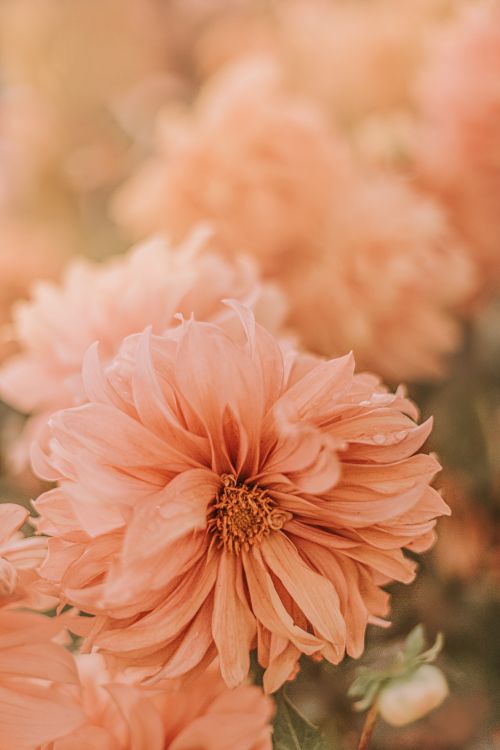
<point>19,559</point>
<point>27,254</point>
<point>465,540</point>
<point>29,139</point>
<point>388,284</point>
<point>460,134</point>
<point>72,123</point>
<point>216,496</point>
<point>34,671</point>
<point>108,301</point>
<point>361,256</point>
<point>237,33</point>
<point>409,698</point>
<point>45,50</point>
<point>357,59</point>
<point>257,163</point>
<point>205,715</point>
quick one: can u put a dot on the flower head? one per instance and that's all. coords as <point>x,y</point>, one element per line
<point>360,256</point>
<point>217,496</point>
<point>256,162</point>
<point>108,301</point>
<point>460,137</point>
<point>205,715</point>
<point>378,285</point>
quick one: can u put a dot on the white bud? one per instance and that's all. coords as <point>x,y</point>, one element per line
<point>8,577</point>
<point>407,699</point>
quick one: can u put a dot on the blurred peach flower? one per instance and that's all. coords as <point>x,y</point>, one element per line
<point>464,547</point>
<point>205,715</point>
<point>460,136</point>
<point>45,50</point>
<point>258,164</point>
<point>107,301</point>
<point>19,559</point>
<point>27,254</point>
<point>217,495</point>
<point>34,671</point>
<point>360,255</point>
<point>355,59</point>
<point>378,286</point>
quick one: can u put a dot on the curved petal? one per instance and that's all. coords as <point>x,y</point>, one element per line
<point>233,624</point>
<point>313,593</point>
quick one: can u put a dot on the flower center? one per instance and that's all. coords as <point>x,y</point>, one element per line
<point>241,516</point>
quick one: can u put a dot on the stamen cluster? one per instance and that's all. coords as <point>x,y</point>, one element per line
<point>242,516</point>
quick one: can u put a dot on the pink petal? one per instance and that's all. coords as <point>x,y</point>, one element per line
<point>314,594</point>
<point>233,624</point>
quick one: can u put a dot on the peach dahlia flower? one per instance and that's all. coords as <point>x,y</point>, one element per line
<point>256,162</point>
<point>460,134</point>
<point>217,496</point>
<point>378,287</point>
<point>205,716</point>
<point>107,301</point>
<point>360,256</point>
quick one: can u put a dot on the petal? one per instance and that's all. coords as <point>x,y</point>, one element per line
<point>313,593</point>
<point>190,648</point>
<point>31,717</point>
<point>154,410</point>
<point>167,621</point>
<point>269,609</point>
<point>47,661</point>
<point>178,510</point>
<point>116,439</point>
<point>233,624</point>
<point>314,393</point>
<point>145,726</point>
<point>214,375</point>
<point>12,517</point>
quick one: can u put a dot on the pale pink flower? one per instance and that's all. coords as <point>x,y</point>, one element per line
<point>460,134</point>
<point>107,301</point>
<point>217,496</point>
<point>257,163</point>
<point>204,715</point>
<point>378,287</point>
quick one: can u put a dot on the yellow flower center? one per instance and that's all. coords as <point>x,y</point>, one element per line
<point>242,516</point>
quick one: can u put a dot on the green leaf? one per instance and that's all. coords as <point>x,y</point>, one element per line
<point>293,732</point>
<point>415,643</point>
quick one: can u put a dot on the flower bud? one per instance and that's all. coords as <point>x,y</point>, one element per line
<point>407,699</point>
<point>8,577</point>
